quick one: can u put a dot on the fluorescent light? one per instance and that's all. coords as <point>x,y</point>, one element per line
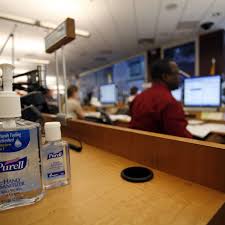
<point>82,33</point>
<point>44,24</point>
<point>36,61</point>
<point>17,18</point>
<point>48,25</point>
<point>7,60</point>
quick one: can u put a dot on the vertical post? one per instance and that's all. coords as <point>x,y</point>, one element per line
<point>42,74</point>
<point>13,51</point>
<point>65,79</point>
<point>57,82</point>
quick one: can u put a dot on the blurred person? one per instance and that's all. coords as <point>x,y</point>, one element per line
<point>133,94</point>
<point>73,103</point>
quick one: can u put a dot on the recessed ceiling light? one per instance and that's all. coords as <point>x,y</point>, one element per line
<point>106,52</point>
<point>184,25</point>
<point>35,61</point>
<point>216,14</point>
<point>171,6</point>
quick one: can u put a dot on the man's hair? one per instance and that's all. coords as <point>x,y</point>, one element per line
<point>159,68</point>
<point>133,90</point>
<point>71,89</point>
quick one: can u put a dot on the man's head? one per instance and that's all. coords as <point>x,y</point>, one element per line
<point>166,71</point>
<point>72,92</point>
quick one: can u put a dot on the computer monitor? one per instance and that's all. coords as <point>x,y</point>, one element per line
<point>108,94</point>
<point>202,91</point>
<point>177,94</point>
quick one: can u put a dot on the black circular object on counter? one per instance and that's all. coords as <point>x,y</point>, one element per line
<point>137,174</point>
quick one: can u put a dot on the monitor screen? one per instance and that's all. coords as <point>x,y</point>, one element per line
<point>108,94</point>
<point>177,94</point>
<point>202,91</point>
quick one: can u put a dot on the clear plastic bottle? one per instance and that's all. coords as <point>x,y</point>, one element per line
<point>55,157</point>
<point>20,162</point>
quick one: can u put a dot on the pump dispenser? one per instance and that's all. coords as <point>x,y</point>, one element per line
<point>20,162</point>
<point>9,101</point>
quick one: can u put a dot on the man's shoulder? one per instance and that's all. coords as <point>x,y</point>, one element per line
<point>73,102</point>
<point>162,94</point>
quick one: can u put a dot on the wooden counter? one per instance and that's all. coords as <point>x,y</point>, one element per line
<point>197,161</point>
<point>98,196</point>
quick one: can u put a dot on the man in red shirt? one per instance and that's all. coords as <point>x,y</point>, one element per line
<point>155,109</point>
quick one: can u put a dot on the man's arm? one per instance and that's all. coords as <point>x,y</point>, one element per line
<point>174,122</point>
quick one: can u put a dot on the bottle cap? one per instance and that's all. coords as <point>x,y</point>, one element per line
<point>53,131</point>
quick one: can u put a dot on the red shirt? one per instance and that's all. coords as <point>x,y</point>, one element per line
<point>156,110</point>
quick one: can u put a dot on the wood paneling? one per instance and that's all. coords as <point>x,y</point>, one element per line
<point>98,195</point>
<point>212,45</point>
<point>197,161</point>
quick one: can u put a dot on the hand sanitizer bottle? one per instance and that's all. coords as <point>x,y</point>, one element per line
<point>56,158</point>
<point>20,162</point>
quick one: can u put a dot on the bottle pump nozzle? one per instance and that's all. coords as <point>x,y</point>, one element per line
<point>9,101</point>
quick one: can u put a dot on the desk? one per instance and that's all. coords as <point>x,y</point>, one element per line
<point>98,196</point>
<point>170,154</point>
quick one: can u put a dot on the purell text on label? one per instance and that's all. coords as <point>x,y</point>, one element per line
<point>53,155</point>
<point>13,165</point>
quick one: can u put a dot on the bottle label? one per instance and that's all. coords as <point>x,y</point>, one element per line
<point>54,164</point>
<point>14,141</point>
<point>20,161</point>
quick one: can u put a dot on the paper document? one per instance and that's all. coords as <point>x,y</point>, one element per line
<point>204,129</point>
<point>122,118</point>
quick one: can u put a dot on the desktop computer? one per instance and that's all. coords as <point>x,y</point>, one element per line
<point>108,94</point>
<point>202,92</point>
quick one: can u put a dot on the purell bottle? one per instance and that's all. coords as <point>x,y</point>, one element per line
<point>20,165</point>
<point>55,157</point>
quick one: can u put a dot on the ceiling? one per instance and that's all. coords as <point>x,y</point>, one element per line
<point>115,27</point>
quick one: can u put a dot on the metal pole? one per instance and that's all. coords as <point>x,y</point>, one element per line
<point>13,51</point>
<point>3,47</point>
<point>57,82</point>
<point>65,79</point>
<point>42,75</point>
<point>10,35</point>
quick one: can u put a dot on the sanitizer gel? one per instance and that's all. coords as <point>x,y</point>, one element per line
<point>20,162</point>
<point>55,157</point>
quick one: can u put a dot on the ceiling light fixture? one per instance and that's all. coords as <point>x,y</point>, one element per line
<point>45,25</point>
<point>36,61</point>
<point>171,6</point>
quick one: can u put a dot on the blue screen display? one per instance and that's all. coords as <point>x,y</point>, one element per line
<point>124,75</point>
